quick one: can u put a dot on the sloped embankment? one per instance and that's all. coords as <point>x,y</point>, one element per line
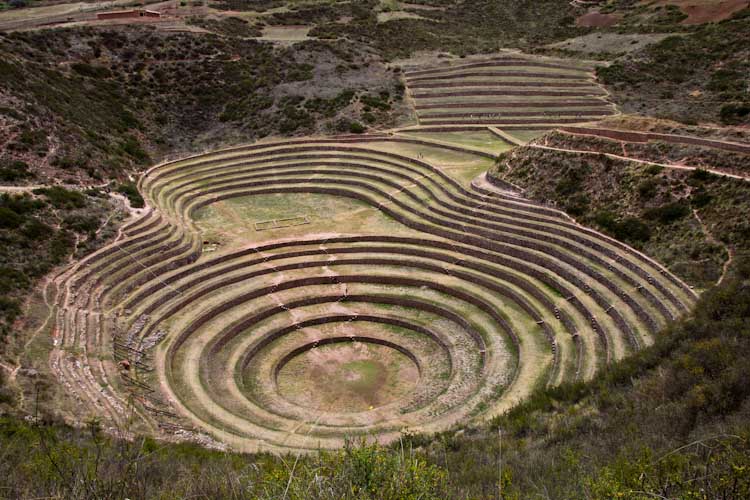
<point>691,220</point>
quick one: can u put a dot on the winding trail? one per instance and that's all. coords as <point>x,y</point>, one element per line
<point>711,239</point>
<point>642,162</point>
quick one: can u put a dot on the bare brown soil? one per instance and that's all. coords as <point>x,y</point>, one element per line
<point>707,11</point>
<point>597,20</point>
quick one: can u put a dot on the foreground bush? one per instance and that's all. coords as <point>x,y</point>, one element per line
<point>53,461</point>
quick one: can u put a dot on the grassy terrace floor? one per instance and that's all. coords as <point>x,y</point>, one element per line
<point>507,90</point>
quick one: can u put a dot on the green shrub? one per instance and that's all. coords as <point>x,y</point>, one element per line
<point>132,147</point>
<point>13,171</point>
<point>726,80</point>
<point>34,229</point>
<point>10,309</point>
<point>700,176</point>
<point>668,213</point>
<point>9,219</point>
<point>32,140</point>
<point>569,183</point>
<point>295,118</point>
<point>60,246</point>
<point>81,223</point>
<point>700,198</point>
<point>369,118</point>
<point>357,128</point>
<point>671,15</point>
<point>68,162</point>
<point>735,114</point>
<point>130,190</point>
<point>377,102</point>
<point>60,197</point>
<point>345,125</point>
<point>577,205</point>
<point>11,279</point>
<point>329,107</point>
<point>647,188</point>
<point>22,204</point>
<point>53,461</point>
<point>91,71</point>
<point>653,169</point>
<point>630,229</point>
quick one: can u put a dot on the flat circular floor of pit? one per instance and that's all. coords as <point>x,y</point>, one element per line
<point>347,377</point>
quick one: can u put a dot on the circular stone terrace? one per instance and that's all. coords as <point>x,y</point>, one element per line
<point>288,295</point>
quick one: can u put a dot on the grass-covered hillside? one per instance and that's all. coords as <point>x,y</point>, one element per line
<point>692,221</point>
<point>88,104</point>
<point>696,76</point>
<point>398,29</point>
<point>43,229</point>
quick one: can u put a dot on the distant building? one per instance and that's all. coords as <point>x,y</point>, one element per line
<point>128,14</point>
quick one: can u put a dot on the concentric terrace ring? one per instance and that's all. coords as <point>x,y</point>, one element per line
<point>299,343</point>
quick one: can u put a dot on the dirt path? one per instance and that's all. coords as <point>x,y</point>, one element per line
<point>505,136</point>
<point>20,189</point>
<point>642,162</point>
<point>711,239</point>
<point>32,187</point>
<point>648,136</point>
<point>482,182</point>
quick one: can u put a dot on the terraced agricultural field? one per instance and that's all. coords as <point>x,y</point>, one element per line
<point>483,140</point>
<point>507,91</point>
<point>286,295</point>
